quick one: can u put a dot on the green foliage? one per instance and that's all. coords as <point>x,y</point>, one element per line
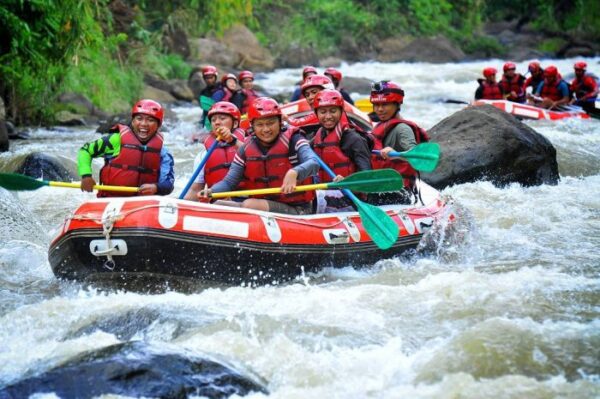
<point>485,46</point>
<point>166,66</point>
<point>433,17</point>
<point>551,45</point>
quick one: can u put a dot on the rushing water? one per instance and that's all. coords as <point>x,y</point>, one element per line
<point>515,315</point>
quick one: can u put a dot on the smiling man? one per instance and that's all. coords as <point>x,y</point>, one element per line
<point>134,155</point>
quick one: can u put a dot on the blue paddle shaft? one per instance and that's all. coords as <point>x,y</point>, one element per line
<point>390,154</point>
<point>198,169</point>
<point>327,169</point>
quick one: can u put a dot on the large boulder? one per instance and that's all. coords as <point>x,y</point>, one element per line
<point>484,143</point>
<point>136,369</point>
<point>252,55</point>
<point>41,165</point>
<point>209,51</point>
<point>356,85</point>
<point>424,49</point>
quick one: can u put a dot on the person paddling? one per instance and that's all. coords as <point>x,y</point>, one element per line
<point>553,91</point>
<point>306,72</point>
<point>225,120</point>
<point>512,83</point>
<point>274,156</point>
<point>134,155</point>
<point>342,146</point>
<point>488,88</point>
<point>211,93</point>
<point>394,133</point>
<point>584,88</point>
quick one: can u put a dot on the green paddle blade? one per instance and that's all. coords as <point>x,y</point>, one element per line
<point>206,102</point>
<point>16,182</point>
<point>378,224</point>
<point>423,157</point>
<point>371,181</point>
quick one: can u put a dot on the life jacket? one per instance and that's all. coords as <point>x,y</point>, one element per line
<point>249,97</point>
<point>380,132</point>
<point>583,87</point>
<point>533,81</point>
<point>267,170</point>
<point>218,163</point>
<point>329,150</point>
<point>228,94</point>
<point>136,163</point>
<point>490,91</point>
<point>515,84</point>
<point>551,91</point>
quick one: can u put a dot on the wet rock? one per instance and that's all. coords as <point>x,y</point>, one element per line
<point>208,51</point>
<point>484,143</point>
<point>330,62</point>
<point>388,49</point>
<point>180,90</point>
<point>139,370</point>
<point>175,40</point>
<point>3,130</point>
<point>252,55</point>
<point>67,118</point>
<point>159,95</point>
<point>196,82</point>
<point>296,56</point>
<point>436,50</point>
<point>356,85</point>
<point>45,166</point>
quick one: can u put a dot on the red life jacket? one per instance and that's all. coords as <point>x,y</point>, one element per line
<point>515,84</point>
<point>136,163</point>
<point>267,170</point>
<point>380,132</point>
<point>551,91</point>
<point>532,81</point>
<point>329,150</point>
<point>218,163</point>
<point>249,96</point>
<point>583,87</point>
<point>491,91</point>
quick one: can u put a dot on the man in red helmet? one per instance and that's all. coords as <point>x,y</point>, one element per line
<point>553,91</point>
<point>134,155</point>
<point>274,156</point>
<point>336,77</point>
<point>393,133</point>
<point>248,94</point>
<point>211,93</point>
<point>225,121</point>
<point>488,88</point>
<point>512,83</point>
<point>311,86</point>
<point>306,72</point>
<point>537,76</point>
<point>584,87</point>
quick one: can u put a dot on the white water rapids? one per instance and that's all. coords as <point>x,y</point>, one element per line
<point>517,315</point>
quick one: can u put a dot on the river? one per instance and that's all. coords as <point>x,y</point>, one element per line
<point>516,315</point>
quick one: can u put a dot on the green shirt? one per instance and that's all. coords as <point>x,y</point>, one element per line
<point>105,146</point>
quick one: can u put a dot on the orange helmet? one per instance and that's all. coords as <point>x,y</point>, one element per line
<point>227,108</point>
<point>149,107</point>
<point>263,107</point>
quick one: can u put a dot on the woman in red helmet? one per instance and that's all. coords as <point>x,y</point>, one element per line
<point>512,83</point>
<point>311,86</point>
<point>306,72</point>
<point>336,77</point>
<point>584,87</point>
<point>274,156</point>
<point>134,155</point>
<point>342,146</point>
<point>488,88</point>
<point>211,93</point>
<point>393,133</point>
<point>247,93</point>
<point>553,91</point>
<point>231,91</point>
<point>225,121</point>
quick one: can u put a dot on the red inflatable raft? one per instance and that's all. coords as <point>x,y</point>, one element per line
<point>531,112</point>
<point>163,236</point>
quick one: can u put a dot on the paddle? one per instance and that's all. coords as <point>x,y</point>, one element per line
<point>17,182</point>
<point>378,224</point>
<point>368,181</point>
<point>211,149</point>
<point>423,157</point>
<point>364,104</point>
<point>205,104</point>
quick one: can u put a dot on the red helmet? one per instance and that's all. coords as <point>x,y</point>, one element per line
<point>321,81</point>
<point>534,66</point>
<point>308,69</point>
<point>228,76</point>
<point>227,108</point>
<point>580,65</point>
<point>263,107</point>
<point>550,71</point>
<point>509,65</point>
<point>386,92</point>
<point>489,71</point>
<point>328,97</point>
<point>334,73</point>
<point>149,107</point>
<point>245,75</point>
<point>209,70</point>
